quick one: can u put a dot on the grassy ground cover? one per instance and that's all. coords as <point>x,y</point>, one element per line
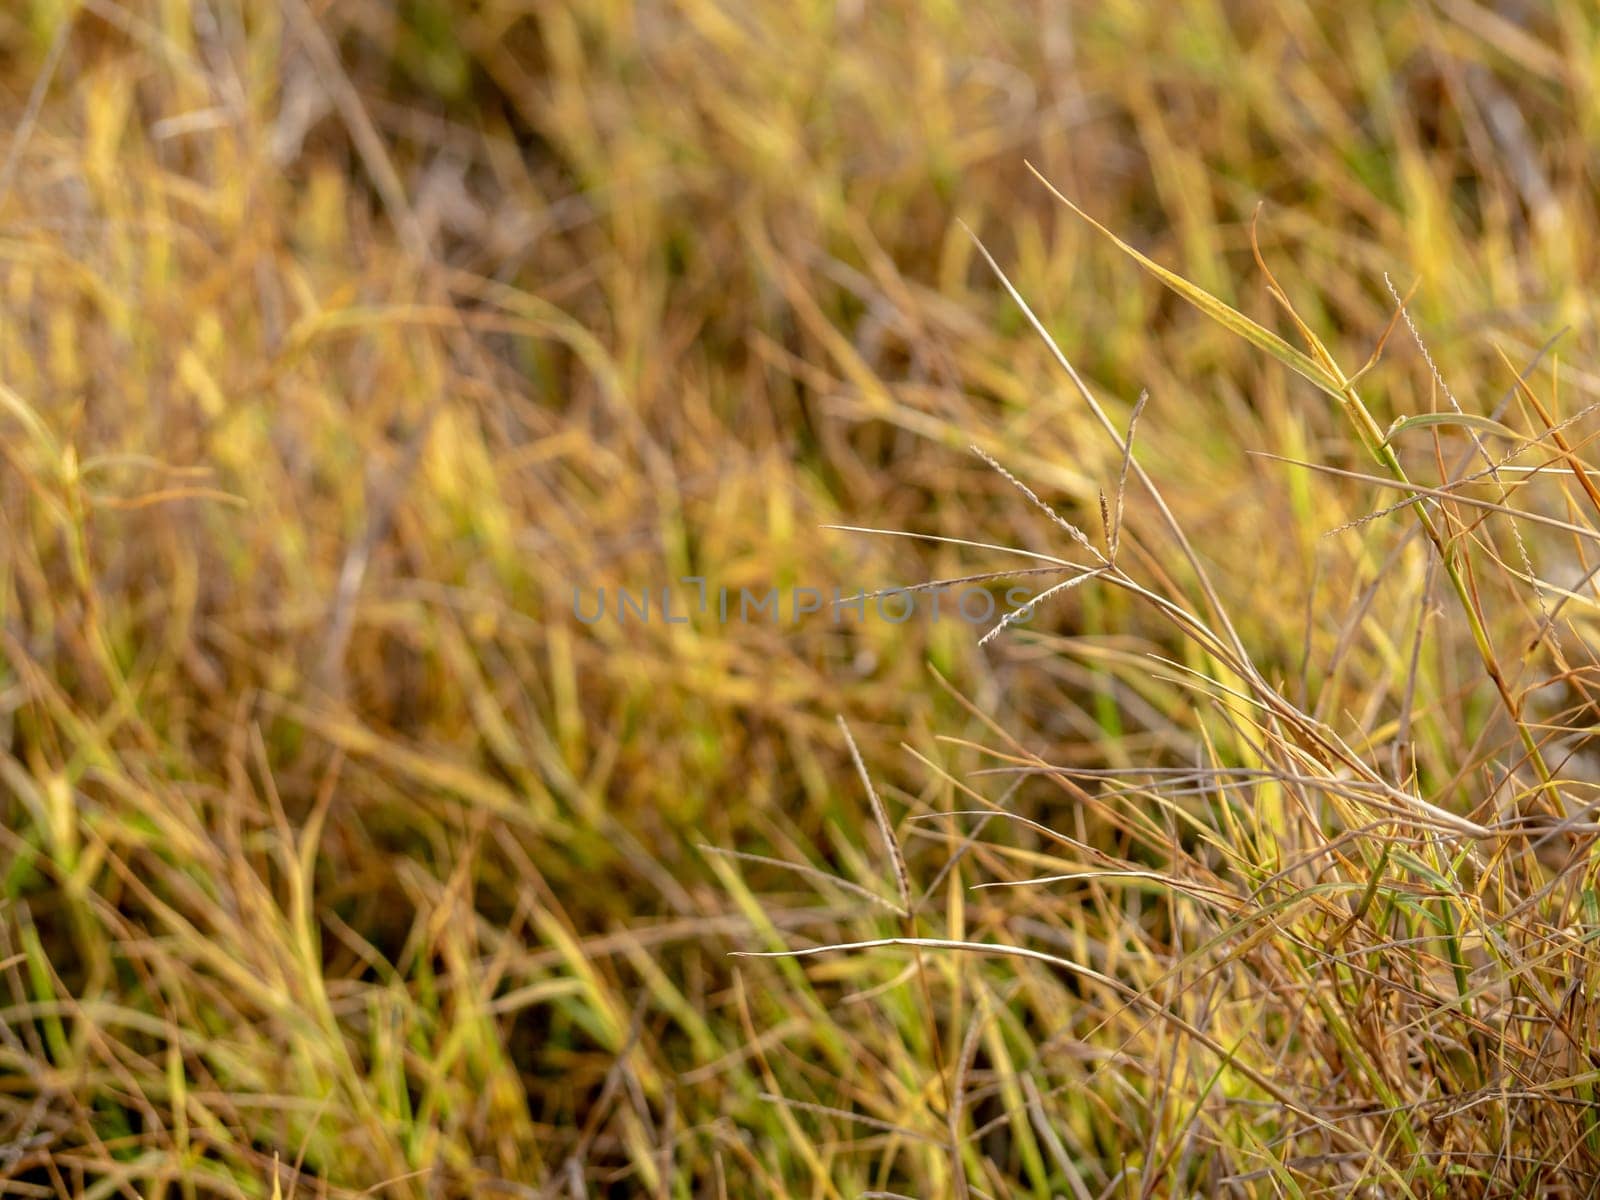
<point>342,343</point>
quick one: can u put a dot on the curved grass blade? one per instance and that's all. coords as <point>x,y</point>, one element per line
<point>1426,420</point>
<point>1225,315</point>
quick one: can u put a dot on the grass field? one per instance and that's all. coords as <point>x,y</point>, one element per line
<point>349,348</point>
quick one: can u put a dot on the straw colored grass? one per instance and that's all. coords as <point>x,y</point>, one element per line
<point>341,343</point>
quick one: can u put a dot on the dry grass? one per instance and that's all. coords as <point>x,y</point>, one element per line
<point>340,342</point>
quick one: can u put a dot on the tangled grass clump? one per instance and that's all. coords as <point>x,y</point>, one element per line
<point>1318,967</point>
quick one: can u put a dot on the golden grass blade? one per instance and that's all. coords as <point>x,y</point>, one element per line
<point>1225,315</point>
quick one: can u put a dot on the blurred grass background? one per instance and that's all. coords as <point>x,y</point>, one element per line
<point>339,342</point>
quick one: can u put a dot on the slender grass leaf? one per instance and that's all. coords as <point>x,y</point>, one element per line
<point>1225,315</point>
<point>1426,420</point>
